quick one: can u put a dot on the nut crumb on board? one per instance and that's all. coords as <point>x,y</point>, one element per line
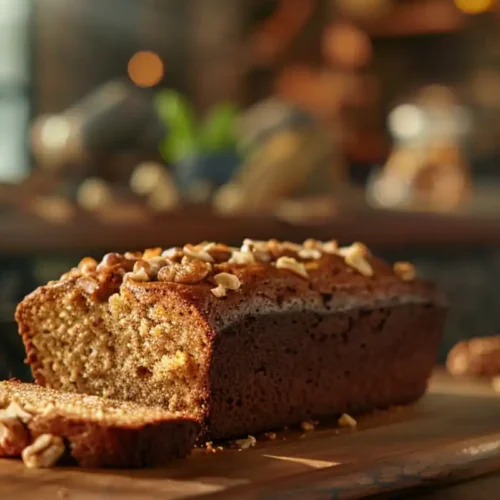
<point>346,420</point>
<point>45,451</point>
<point>495,383</point>
<point>209,446</point>
<point>307,426</point>
<point>244,444</point>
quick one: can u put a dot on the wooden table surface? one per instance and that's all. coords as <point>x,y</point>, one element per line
<point>452,435</point>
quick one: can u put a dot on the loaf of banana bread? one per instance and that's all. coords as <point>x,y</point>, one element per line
<point>46,426</point>
<point>246,339</point>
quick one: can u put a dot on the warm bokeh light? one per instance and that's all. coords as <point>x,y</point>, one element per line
<point>145,68</point>
<point>474,6</point>
<point>346,45</point>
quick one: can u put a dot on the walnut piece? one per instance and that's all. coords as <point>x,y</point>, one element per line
<point>354,257</point>
<point>219,291</point>
<point>189,272</point>
<point>238,257</point>
<point>290,264</point>
<point>346,420</point>
<point>225,281</point>
<point>259,249</point>
<point>16,411</point>
<point>174,254</point>
<point>110,260</point>
<point>309,254</point>
<point>218,251</point>
<point>140,275</point>
<point>307,426</point>
<point>330,247</point>
<point>14,435</point>
<point>244,444</point>
<point>151,252</point>
<point>45,451</point>
<point>197,252</point>
<point>405,271</point>
<point>87,265</point>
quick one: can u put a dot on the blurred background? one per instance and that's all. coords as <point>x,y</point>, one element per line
<point>133,123</point>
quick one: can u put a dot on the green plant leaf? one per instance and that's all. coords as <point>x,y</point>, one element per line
<point>218,130</point>
<point>177,114</point>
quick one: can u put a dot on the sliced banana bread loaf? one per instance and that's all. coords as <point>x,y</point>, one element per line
<point>46,426</point>
<point>246,339</point>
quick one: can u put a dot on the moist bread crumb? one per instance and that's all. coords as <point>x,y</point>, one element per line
<point>43,425</point>
<point>233,337</point>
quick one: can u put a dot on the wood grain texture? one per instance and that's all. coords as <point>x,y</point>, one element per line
<point>453,434</point>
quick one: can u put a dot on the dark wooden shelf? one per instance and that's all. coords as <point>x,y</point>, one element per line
<point>416,18</point>
<point>21,234</point>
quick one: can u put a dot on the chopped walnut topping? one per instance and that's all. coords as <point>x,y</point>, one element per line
<point>218,251</point>
<point>14,436</point>
<point>45,451</point>
<point>192,271</point>
<point>174,254</point>
<point>142,265</point>
<point>110,260</point>
<point>293,265</point>
<point>244,444</point>
<point>354,257</point>
<point>307,426</point>
<point>87,265</point>
<point>227,280</point>
<point>189,272</point>
<point>238,257</point>
<point>276,248</point>
<point>330,247</point>
<point>140,275</point>
<point>219,291</point>
<point>197,253</point>
<point>88,285</point>
<point>151,252</point>
<point>133,255</point>
<point>259,249</point>
<point>311,244</point>
<point>151,267</point>
<point>167,273</point>
<point>309,254</point>
<point>346,420</point>
<point>405,271</point>
<point>14,410</point>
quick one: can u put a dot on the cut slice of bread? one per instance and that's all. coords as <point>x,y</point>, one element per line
<point>95,432</point>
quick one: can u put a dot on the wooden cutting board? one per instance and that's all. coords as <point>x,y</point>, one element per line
<point>452,434</point>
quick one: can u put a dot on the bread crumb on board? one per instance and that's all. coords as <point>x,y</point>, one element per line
<point>347,421</point>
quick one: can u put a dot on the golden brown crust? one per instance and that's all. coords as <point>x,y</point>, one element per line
<point>100,432</point>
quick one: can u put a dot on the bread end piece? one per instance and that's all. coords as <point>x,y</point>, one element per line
<point>97,432</point>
